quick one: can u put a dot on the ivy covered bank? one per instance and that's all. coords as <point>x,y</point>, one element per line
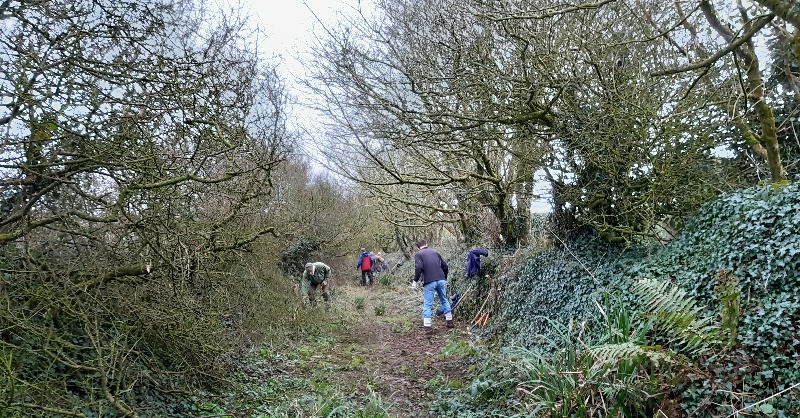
<point>705,326</point>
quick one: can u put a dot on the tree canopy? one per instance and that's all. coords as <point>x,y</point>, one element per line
<point>631,108</point>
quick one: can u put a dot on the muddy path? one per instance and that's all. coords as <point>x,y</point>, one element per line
<point>407,364</point>
<point>365,354</point>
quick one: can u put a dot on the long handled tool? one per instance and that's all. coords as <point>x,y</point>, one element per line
<point>466,292</point>
<point>454,302</point>
<point>482,318</point>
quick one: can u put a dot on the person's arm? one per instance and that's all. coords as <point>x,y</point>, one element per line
<point>304,284</point>
<point>326,273</point>
<point>445,269</point>
<point>361,257</point>
<point>417,267</point>
<point>482,252</point>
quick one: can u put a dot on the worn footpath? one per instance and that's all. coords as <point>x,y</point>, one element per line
<point>401,362</point>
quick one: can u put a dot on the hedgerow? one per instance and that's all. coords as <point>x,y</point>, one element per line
<point>740,258</point>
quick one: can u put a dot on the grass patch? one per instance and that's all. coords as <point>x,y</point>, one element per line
<point>380,309</point>
<point>313,370</point>
<point>385,280</point>
<point>359,302</point>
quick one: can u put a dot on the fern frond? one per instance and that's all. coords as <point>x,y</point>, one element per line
<point>613,354</point>
<point>677,315</point>
<point>662,296</point>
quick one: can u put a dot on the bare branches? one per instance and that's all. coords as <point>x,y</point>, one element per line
<point>422,115</point>
<point>138,146</point>
<point>553,13</point>
<point>787,10</point>
<point>735,42</point>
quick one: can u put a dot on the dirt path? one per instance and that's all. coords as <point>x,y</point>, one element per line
<point>364,355</point>
<point>405,364</point>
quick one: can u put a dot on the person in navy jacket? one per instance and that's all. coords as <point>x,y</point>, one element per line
<point>474,261</point>
<point>432,269</point>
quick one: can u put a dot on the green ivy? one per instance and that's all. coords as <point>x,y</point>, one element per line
<point>565,284</point>
<point>750,238</point>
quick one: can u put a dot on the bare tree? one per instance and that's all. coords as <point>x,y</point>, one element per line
<point>627,153</point>
<point>461,103</point>
<point>138,138</point>
<point>428,99</point>
<point>784,9</point>
<point>749,106</point>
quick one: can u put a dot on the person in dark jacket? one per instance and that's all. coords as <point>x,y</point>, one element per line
<point>430,265</point>
<point>365,263</point>
<point>474,261</point>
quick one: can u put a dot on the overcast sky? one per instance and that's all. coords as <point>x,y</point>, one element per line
<point>290,25</point>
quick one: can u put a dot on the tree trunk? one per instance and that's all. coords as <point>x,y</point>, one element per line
<point>788,10</point>
<point>768,139</point>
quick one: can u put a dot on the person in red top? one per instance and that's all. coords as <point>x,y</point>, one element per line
<point>365,262</point>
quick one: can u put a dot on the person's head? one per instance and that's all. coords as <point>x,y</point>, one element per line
<point>363,250</point>
<point>310,268</point>
<point>422,244</point>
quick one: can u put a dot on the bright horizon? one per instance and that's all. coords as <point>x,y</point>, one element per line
<point>290,27</point>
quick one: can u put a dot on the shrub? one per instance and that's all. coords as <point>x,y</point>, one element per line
<point>380,309</point>
<point>385,280</point>
<point>738,259</point>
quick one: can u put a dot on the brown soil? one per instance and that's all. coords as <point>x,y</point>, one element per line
<point>406,364</point>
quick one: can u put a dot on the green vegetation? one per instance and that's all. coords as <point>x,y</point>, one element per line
<point>299,374</point>
<point>359,302</point>
<point>385,279</point>
<point>655,329</point>
<point>156,210</point>
<point>380,309</point>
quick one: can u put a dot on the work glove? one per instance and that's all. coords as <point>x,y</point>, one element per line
<point>414,284</point>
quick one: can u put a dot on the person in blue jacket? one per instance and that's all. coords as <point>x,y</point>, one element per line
<point>474,261</point>
<point>365,263</point>
<point>473,267</point>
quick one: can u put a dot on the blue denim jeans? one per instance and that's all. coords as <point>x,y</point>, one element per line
<point>439,288</point>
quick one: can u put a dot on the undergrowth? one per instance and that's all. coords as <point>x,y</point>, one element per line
<point>308,368</point>
<point>707,326</point>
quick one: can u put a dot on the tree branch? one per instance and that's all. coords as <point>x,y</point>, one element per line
<point>246,240</point>
<point>737,42</point>
<point>788,10</point>
<point>575,8</point>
